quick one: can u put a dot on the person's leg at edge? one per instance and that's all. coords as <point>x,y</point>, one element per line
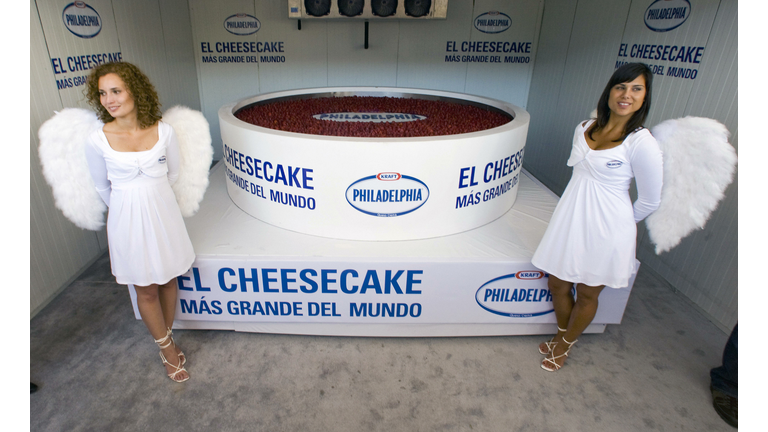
<point>148,302</point>
<point>581,317</point>
<point>563,302</point>
<point>725,382</point>
<point>168,293</point>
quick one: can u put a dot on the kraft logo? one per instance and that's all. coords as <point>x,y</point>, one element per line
<point>81,20</point>
<point>387,194</point>
<point>162,159</point>
<point>614,164</point>
<point>518,295</point>
<point>242,24</point>
<point>493,22</point>
<point>529,275</point>
<point>666,15</point>
<point>389,176</point>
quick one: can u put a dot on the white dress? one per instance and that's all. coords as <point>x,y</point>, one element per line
<point>148,241</point>
<point>592,235</point>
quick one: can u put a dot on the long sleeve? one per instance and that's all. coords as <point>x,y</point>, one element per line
<point>173,156</point>
<point>98,168</point>
<point>647,166</point>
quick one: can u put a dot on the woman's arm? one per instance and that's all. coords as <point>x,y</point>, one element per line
<point>173,157</point>
<point>647,165</point>
<point>98,168</point>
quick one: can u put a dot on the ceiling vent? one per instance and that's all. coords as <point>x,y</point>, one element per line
<point>367,9</point>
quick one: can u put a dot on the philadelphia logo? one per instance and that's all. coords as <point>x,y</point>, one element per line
<point>387,194</point>
<point>370,117</point>
<point>666,15</point>
<point>81,20</point>
<point>242,24</point>
<point>517,295</point>
<point>614,164</point>
<point>493,22</point>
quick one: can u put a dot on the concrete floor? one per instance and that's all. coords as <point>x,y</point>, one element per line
<point>98,370</point>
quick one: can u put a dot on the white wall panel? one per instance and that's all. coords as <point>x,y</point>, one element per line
<point>306,50</point>
<point>350,64</point>
<point>705,265</point>
<point>551,57</point>
<point>499,79</point>
<point>140,32</point>
<point>58,249</point>
<point>66,49</point>
<point>179,54</point>
<point>422,50</point>
<point>670,94</point>
<point>221,83</point>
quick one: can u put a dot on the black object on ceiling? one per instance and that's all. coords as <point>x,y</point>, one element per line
<point>417,8</point>
<point>384,8</point>
<point>317,7</point>
<point>351,8</point>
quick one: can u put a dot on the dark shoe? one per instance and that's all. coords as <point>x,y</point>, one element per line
<point>726,406</point>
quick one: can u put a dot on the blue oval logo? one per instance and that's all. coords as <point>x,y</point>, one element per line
<point>666,15</point>
<point>387,194</point>
<point>516,297</point>
<point>493,22</point>
<point>242,24</point>
<point>370,117</point>
<point>81,20</point>
<point>614,164</point>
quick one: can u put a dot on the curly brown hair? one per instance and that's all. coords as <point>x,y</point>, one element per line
<point>141,90</point>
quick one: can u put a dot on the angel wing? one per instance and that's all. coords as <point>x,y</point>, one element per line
<point>62,143</point>
<point>62,154</point>
<point>699,163</point>
<point>194,137</point>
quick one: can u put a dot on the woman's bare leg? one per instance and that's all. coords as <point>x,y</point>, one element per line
<point>563,302</point>
<point>582,314</point>
<point>151,311</point>
<point>168,293</point>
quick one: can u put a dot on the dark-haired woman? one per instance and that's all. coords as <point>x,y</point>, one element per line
<point>134,159</point>
<point>590,240</point>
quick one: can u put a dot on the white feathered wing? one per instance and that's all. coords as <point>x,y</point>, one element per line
<point>62,155</point>
<point>62,140</point>
<point>194,136</point>
<point>699,163</point>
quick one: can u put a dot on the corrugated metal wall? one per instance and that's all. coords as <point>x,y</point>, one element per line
<point>153,34</point>
<point>578,49</point>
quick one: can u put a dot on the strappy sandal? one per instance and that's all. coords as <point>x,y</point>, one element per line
<point>165,343</point>
<point>551,344</point>
<point>181,354</point>
<point>545,364</point>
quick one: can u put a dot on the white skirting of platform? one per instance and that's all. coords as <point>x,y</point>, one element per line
<point>255,277</point>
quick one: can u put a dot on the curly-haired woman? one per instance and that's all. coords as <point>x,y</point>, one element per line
<point>134,159</point>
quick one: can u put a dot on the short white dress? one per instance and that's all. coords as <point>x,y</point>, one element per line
<point>148,241</point>
<point>592,235</point>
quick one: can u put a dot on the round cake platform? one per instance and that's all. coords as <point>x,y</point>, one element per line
<point>373,188</point>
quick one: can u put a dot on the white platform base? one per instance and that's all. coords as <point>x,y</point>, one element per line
<point>254,277</point>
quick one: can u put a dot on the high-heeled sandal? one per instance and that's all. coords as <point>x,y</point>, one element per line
<point>183,358</point>
<point>551,344</point>
<point>551,359</point>
<point>165,343</point>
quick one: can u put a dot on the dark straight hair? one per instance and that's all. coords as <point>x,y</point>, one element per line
<point>626,73</point>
